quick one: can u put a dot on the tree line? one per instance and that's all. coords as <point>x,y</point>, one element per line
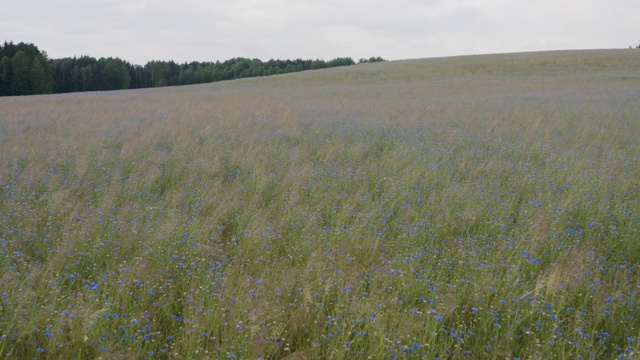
<point>27,70</point>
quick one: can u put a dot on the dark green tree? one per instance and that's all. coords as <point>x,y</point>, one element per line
<point>186,76</point>
<point>5,76</point>
<point>86,78</point>
<point>41,77</point>
<point>160,73</point>
<point>21,83</point>
<point>115,75</point>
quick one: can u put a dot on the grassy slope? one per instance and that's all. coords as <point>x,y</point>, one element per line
<point>481,206</point>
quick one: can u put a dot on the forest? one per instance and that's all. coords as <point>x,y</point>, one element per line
<point>27,70</point>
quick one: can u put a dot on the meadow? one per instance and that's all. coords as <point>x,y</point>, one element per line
<point>480,207</point>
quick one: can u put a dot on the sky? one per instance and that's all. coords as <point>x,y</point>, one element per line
<point>198,30</point>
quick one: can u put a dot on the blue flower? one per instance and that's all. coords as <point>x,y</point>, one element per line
<point>93,286</point>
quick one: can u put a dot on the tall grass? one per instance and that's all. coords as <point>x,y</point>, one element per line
<point>479,207</point>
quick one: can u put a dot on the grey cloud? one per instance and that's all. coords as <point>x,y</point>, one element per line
<point>141,30</point>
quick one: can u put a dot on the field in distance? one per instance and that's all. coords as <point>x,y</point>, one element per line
<point>467,207</point>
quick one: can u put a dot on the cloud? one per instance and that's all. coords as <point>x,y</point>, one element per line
<point>141,30</point>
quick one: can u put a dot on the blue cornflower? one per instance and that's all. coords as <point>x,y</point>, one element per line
<point>93,286</point>
<point>40,350</point>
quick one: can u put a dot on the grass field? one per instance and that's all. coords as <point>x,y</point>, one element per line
<point>470,207</point>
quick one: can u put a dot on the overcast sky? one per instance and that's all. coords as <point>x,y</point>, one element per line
<point>201,30</point>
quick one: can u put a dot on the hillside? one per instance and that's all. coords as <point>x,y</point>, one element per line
<point>466,207</point>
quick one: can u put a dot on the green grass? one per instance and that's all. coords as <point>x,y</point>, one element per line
<point>469,207</point>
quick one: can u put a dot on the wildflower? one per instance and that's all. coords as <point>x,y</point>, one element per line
<point>93,286</point>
